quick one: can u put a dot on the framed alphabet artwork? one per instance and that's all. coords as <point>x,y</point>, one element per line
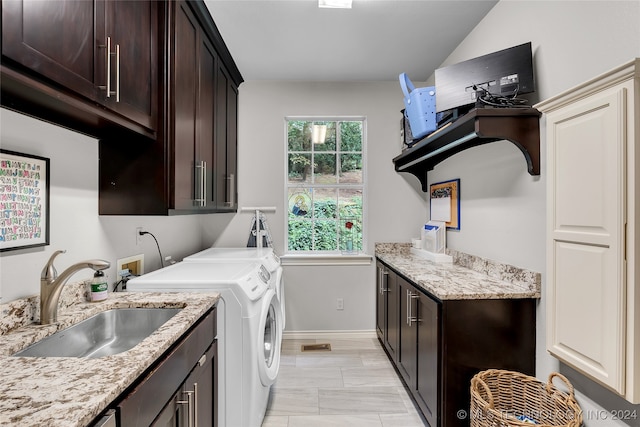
<point>24,201</point>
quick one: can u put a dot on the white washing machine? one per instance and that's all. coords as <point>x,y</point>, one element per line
<point>264,255</point>
<point>249,332</point>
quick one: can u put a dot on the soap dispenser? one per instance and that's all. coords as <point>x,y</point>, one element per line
<point>99,287</point>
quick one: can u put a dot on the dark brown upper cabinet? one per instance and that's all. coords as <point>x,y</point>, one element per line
<point>88,65</point>
<point>153,80</point>
<point>191,167</point>
<point>202,116</point>
<point>191,114</point>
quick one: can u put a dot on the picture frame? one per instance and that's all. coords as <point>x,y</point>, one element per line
<point>450,189</point>
<point>24,201</point>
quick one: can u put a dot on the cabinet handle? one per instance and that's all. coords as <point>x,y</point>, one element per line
<point>383,277</point>
<point>107,88</point>
<point>232,190</point>
<point>200,198</point>
<point>408,307</point>
<point>195,403</point>
<point>189,403</point>
<point>204,184</point>
<point>117,73</point>
<point>412,318</point>
<point>385,280</point>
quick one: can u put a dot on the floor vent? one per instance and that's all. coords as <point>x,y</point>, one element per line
<point>316,347</point>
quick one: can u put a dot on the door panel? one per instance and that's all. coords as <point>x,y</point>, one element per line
<point>53,38</point>
<point>428,350</point>
<point>586,304</point>
<point>222,95</point>
<point>231,174</point>
<point>200,385</point>
<point>184,95</point>
<point>381,310</point>
<point>133,26</point>
<point>393,316</point>
<point>206,118</point>
<point>408,334</point>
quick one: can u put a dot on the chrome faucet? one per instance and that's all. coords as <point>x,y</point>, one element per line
<point>51,285</point>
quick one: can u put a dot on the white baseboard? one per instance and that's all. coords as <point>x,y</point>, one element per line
<point>323,335</point>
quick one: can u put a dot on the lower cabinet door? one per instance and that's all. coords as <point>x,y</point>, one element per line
<point>198,391</point>
<point>427,353</point>
<point>408,338</point>
<point>381,313</point>
<point>392,318</point>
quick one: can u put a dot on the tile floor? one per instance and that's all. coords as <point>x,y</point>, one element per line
<point>352,385</point>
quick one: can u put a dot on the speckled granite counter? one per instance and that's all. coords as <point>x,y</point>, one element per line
<point>65,391</point>
<point>468,277</point>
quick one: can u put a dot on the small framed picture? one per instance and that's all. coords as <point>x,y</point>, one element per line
<point>24,201</point>
<point>445,203</point>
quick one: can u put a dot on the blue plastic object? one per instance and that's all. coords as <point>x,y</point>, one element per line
<point>420,107</point>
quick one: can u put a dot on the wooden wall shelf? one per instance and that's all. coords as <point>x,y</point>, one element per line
<point>521,126</point>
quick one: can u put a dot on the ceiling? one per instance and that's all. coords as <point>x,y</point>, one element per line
<point>376,40</point>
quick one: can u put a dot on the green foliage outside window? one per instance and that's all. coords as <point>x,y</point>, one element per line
<point>326,233</point>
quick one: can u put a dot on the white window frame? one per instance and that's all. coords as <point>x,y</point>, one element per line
<point>327,257</point>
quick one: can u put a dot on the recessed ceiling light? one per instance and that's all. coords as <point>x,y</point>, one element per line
<point>335,4</point>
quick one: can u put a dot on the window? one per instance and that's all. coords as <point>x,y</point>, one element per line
<point>325,185</point>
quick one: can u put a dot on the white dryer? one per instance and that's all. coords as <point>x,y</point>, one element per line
<point>249,332</point>
<point>264,255</point>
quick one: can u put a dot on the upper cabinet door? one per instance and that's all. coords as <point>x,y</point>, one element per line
<point>205,120</point>
<point>132,28</point>
<point>184,105</point>
<point>56,39</point>
<point>586,225</point>
<point>226,141</point>
<point>192,108</point>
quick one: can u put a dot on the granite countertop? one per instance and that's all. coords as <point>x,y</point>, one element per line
<point>468,277</point>
<point>67,391</point>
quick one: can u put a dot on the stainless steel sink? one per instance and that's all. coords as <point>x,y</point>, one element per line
<point>106,333</point>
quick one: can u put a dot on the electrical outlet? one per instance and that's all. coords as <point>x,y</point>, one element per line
<point>133,264</point>
<point>340,304</point>
<point>138,236</point>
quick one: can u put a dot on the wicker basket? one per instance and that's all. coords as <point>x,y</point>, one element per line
<point>504,398</point>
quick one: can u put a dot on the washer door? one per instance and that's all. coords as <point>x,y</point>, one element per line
<point>269,339</point>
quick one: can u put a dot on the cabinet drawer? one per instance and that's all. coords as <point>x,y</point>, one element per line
<point>149,396</point>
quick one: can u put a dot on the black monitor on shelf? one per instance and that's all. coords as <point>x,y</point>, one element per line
<point>506,73</point>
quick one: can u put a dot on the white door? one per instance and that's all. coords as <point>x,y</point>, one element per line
<point>586,217</point>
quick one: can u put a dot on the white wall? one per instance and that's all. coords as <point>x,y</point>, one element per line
<point>395,208</point>
<point>502,207</point>
<point>74,223</point>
